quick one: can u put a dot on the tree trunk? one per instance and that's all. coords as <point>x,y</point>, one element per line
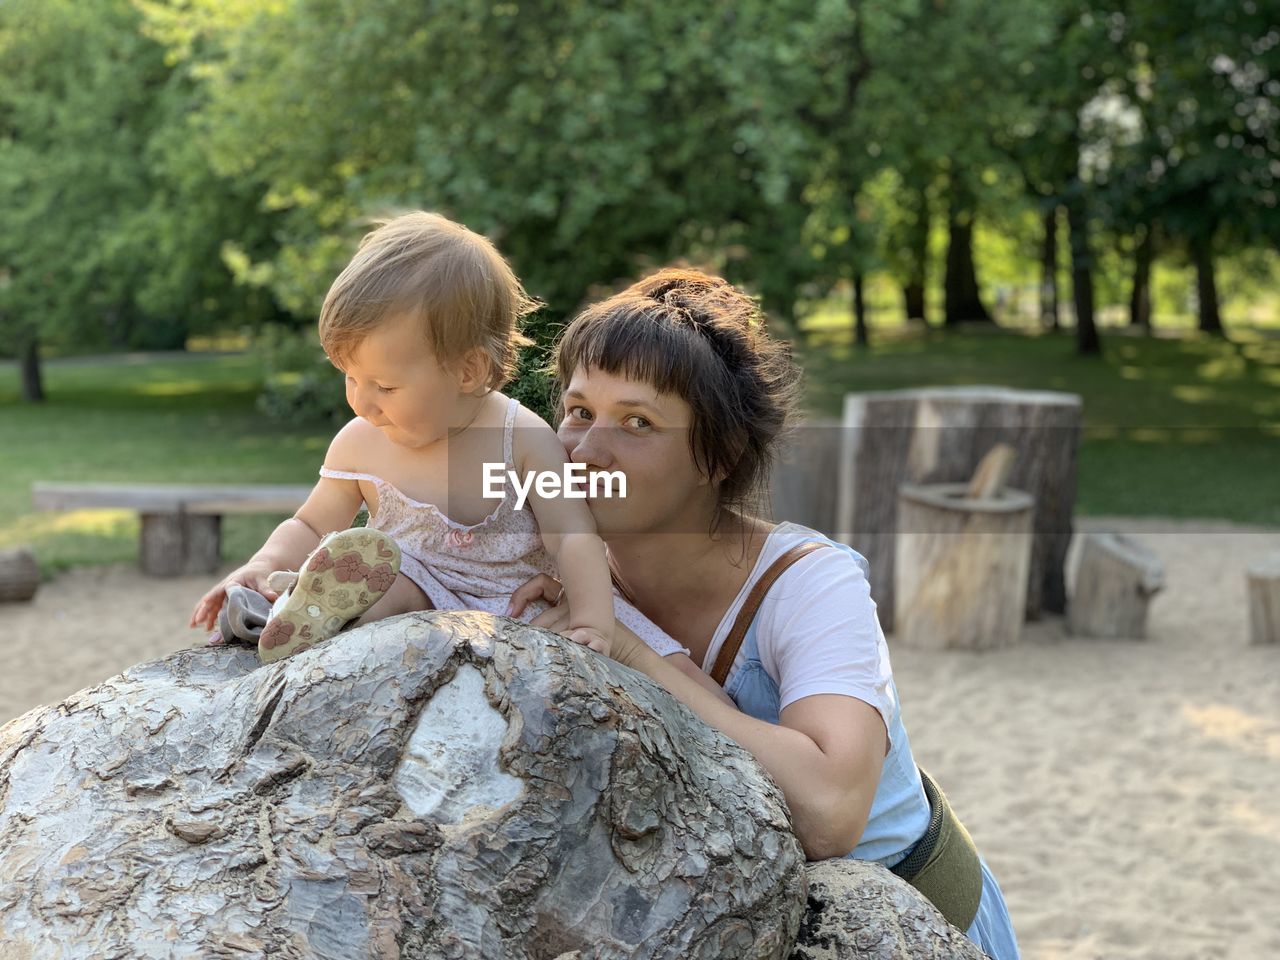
<point>1049,270</point>
<point>913,300</point>
<point>939,435</point>
<point>432,785</point>
<point>19,575</point>
<point>963,300</point>
<point>32,381</point>
<point>860,310</point>
<point>1087,340</point>
<point>961,567</point>
<point>913,291</point>
<point>1140,295</point>
<point>1206,282</point>
<point>441,784</point>
<point>1263,584</point>
<point>1115,580</point>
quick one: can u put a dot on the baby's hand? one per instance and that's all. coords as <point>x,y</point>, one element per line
<point>591,637</point>
<point>253,576</point>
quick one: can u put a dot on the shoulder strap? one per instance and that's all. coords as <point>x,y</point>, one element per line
<point>729,650</point>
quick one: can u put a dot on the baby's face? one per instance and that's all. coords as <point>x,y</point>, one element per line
<point>395,382</point>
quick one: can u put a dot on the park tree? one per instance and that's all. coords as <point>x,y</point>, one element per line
<point>110,230</point>
<point>1204,81</point>
<point>1056,137</point>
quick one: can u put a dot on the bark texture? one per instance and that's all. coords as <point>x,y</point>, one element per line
<point>861,911</point>
<point>436,785</point>
<point>939,435</point>
<point>961,567</point>
<point>1115,582</point>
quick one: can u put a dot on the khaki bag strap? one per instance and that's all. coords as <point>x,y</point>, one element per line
<point>729,650</point>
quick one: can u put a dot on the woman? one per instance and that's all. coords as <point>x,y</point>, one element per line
<point>675,384</point>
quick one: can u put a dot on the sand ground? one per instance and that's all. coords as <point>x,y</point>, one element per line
<point>1124,792</point>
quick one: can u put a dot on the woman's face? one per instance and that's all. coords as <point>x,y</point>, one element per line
<point>613,423</point>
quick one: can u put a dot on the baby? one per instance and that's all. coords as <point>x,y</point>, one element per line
<point>423,323</point>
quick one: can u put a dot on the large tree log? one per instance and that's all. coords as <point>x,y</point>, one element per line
<point>1263,582</point>
<point>804,487</point>
<point>938,435</point>
<point>19,575</point>
<point>1115,581</point>
<point>432,786</point>
<point>861,911</point>
<point>174,544</point>
<point>960,577</point>
<point>436,785</point>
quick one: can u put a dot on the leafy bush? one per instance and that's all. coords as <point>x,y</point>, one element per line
<point>299,383</point>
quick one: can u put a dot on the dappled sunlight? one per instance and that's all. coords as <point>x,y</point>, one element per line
<point>1251,818</point>
<point>40,526</point>
<point>1234,728</point>
<point>178,388</point>
<point>1190,393</point>
<point>1130,372</point>
<point>1230,367</point>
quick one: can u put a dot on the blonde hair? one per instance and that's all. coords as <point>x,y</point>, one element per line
<point>455,281</point>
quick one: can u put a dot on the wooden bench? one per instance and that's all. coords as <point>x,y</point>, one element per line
<point>181,523</point>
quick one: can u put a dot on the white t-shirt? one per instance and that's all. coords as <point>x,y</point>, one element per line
<point>816,629</point>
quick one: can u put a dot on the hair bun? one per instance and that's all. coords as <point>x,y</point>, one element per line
<point>703,298</point>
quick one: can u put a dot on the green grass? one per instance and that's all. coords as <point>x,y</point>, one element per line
<point>171,418</point>
<point>1186,427</point>
<point>1173,427</point>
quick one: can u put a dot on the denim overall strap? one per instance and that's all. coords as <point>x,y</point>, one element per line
<point>729,649</point>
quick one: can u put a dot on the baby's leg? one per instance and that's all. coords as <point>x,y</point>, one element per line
<point>405,596</point>
<point>346,575</point>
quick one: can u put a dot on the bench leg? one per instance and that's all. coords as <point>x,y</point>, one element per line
<point>174,544</point>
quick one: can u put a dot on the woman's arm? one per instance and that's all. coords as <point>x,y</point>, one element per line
<point>825,754</point>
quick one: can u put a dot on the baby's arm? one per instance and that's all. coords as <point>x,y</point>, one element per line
<point>569,534</point>
<point>331,505</point>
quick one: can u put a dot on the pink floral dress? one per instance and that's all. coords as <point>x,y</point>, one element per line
<point>478,566</point>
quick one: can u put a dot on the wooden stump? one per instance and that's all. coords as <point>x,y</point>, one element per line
<point>1264,601</point>
<point>19,575</point>
<point>938,436</point>
<point>1115,581</point>
<point>961,567</point>
<point>803,482</point>
<point>174,544</point>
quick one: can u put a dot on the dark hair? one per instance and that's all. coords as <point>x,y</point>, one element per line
<point>699,337</point>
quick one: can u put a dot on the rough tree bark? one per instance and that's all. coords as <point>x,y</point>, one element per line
<point>939,435</point>
<point>436,785</point>
<point>860,911</point>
